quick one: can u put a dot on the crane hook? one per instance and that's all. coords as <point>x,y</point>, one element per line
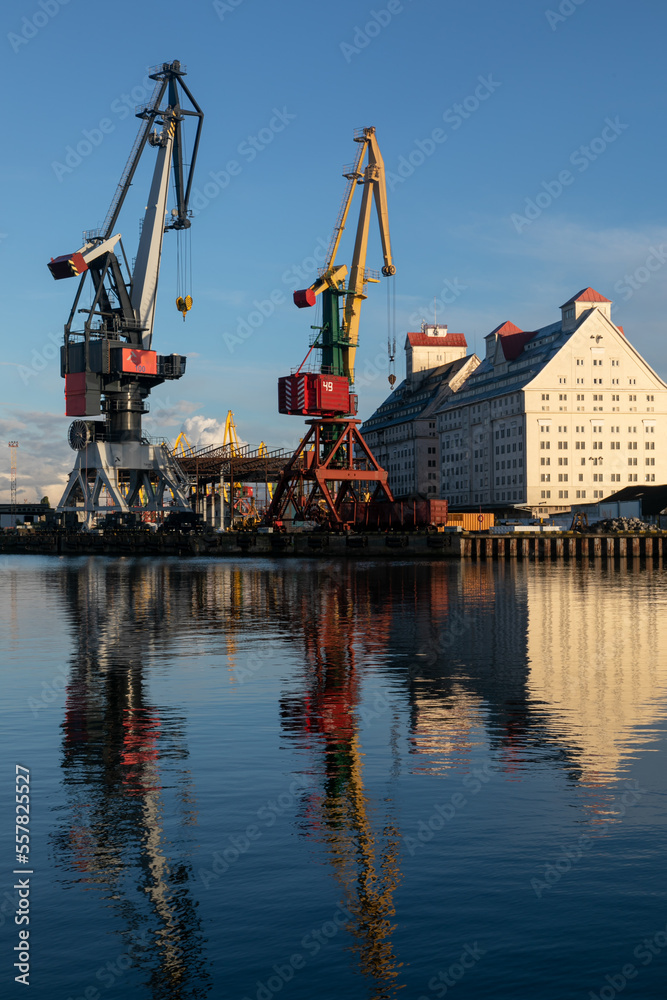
<point>184,305</point>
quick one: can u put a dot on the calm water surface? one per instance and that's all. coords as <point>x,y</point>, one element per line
<point>329,779</point>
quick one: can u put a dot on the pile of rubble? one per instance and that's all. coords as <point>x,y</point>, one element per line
<point>620,524</point>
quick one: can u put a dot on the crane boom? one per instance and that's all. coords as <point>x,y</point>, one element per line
<point>147,267</point>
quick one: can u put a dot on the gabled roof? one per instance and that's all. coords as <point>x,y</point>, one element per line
<point>506,327</point>
<point>512,339</point>
<point>586,295</point>
<point>410,400</point>
<point>449,340</point>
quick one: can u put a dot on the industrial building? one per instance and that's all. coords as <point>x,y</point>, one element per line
<point>402,433</point>
<point>553,417</point>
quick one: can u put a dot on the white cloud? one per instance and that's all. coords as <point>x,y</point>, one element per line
<point>203,431</point>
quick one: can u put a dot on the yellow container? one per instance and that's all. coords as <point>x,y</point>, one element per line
<point>472,521</point>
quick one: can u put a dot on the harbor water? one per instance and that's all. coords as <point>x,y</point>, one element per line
<point>253,778</point>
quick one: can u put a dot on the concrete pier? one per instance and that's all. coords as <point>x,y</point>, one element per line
<point>391,545</point>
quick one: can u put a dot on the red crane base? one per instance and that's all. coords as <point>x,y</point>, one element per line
<point>330,467</point>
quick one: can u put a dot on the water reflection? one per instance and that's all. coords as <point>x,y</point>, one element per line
<point>116,746</point>
<point>539,666</point>
<point>341,622</point>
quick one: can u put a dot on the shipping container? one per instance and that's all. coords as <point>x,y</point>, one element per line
<point>401,514</point>
<point>472,521</point>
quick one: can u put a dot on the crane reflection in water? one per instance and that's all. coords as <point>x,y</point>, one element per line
<point>122,756</point>
<point>341,628</point>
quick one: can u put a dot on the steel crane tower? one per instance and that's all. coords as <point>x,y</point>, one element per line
<point>333,462</point>
<point>109,365</point>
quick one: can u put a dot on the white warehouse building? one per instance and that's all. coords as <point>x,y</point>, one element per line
<point>565,414</point>
<point>402,433</point>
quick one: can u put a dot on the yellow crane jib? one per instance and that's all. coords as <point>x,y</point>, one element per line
<point>340,339</point>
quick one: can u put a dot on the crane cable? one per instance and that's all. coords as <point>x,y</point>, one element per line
<point>391,331</point>
<point>183,258</point>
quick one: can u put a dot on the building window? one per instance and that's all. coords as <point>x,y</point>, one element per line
<point>545,395</point>
<point>545,478</point>
<point>632,446</point>
<point>650,461</point>
<point>562,494</point>
<point>615,445</point>
<point>562,461</point>
<point>562,477</point>
<point>615,477</point>
<point>580,361</point>
<point>649,445</point>
<point>545,494</point>
<point>562,445</point>
<point>545,444</point>
<point>632,461</point>
<point>545,461</point>
<point>650,478</point>
<point>632,478</point>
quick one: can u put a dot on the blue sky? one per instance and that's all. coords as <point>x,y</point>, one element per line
<point>547,177</point>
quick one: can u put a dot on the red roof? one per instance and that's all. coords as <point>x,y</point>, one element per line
<point>586,295</point>
<point>512,339</point>
<point>621,329</point>
<point>449,340</point>
<point>506,327</point>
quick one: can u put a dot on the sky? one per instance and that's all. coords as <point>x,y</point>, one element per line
<point>524,144</point>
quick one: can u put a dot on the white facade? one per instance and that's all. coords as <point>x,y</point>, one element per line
<point>566,414</point>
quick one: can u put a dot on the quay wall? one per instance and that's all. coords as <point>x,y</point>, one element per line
<point>478,547</point>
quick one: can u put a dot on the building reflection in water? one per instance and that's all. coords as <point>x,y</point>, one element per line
<point>558,666</point>
<point>115,747</point>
